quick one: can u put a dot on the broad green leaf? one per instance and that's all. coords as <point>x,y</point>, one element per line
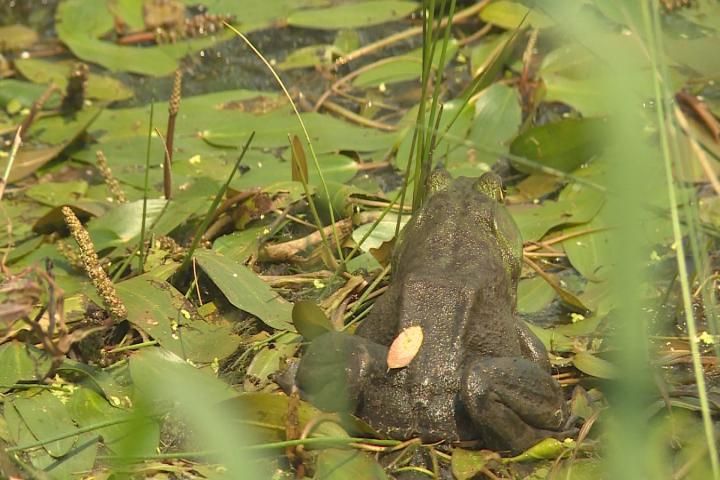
<point>56,194</point>
<point>497,119</point>
<point>55,131</point>
<point>101,87</point>
<point>79,25</point>
<point>510,15</point>
<point>46,417</point>
<point>309,319</point>
<point>467,464</point>
<point>16,37</point>
<point>383,232</point>
<point>156,308</point>
<point>589,364</point>
<point>151,365</point>
<point>113,389</point>
<point>547,448</point>
<point>590,253</point>
<point>534,294</point>
<point>269,361</point>
<point>199,400</point>
<point>245,290</point>
<point>239,246</point>
<point>553,341</point>
<point>310,56</point>
<point>125,222</point>
<point>87,408</point>
<point>352,15</point>
<point>267,413</point>
<point>563,145</point>
<point>401,68</point>
<point>19,361</point>
<point>347,464</point>
<point>534,221</point>
<point>24,92</point>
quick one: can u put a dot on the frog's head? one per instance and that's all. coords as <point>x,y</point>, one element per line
<point>503,226</point>
<point>490,185</point>
<point>438,181</point>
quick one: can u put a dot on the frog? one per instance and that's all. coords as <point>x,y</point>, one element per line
<point>480,374</point>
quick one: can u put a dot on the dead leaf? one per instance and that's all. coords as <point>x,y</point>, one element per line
<point>404,348</point>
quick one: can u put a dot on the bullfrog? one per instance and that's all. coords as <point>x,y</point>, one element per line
<point>480,373</point>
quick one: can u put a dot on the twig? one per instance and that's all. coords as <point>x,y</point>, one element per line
<point>17,141</point>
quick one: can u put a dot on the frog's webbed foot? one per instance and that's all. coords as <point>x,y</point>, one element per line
<point>336,367</point>
<point>512,402</point>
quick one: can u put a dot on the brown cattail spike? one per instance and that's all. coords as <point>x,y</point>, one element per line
<point>91,264</point>
<point>111,182</point>
<point>173,108</point>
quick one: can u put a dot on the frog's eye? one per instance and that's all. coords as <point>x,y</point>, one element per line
<point>490,184</point>
<point>438,181</point>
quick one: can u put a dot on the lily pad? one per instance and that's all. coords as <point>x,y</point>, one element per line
<point>563,145</point>
<point>352,15</point>
<point>101,87</point>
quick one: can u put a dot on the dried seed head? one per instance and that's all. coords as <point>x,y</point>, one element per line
<point>111,182</point>
<point>174,105</point>
<point>91,264</point>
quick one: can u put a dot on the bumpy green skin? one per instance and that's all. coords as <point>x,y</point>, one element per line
<point>480,373</point>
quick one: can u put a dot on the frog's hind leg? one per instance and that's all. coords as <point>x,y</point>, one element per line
<point>512,402</point>
<point>336,368</point>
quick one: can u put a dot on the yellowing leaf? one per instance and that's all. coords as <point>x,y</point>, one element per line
<point>405,347</point>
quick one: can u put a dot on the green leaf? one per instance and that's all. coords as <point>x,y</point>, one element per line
<point>337,464</point>
<point>55,131</point>
<point>589,364</point>
<point>19,361</point>
<point>553,341</point>
<point>16,37</point>
<point>56,194</point>
<point>267,413</point>
<point>199,400</point>
<point>546,449</point>
<point>269,361</point>
<point>534,294</point>
<point>353,15</point>
<point>563,145</point>
<point>156,308</point>
<point>509,15</point>
<point>401,68</point>
<point>497,119</point>
<point>383,232</point>
<point>46,417</point>
<point>79,25</point>
<point>101,87</point>
<point>536,220</point>
<point>124,222</point>
<point>590,254</point>
<point>466,464</point>
<point>309,319</point>
<point>245,290</point>
<point>87,408</point>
